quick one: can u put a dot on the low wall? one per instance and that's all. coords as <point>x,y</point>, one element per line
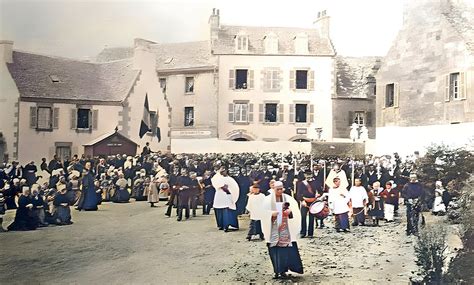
<point>341,149</point>
<point>225,146</point>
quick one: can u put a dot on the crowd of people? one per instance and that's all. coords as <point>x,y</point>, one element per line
<point>286,195</point>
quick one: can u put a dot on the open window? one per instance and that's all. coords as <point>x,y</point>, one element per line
<point>301,113</point>
<point>189,85</point>
<point>271,115</point>
<point>84,118</point>
<point>390,95</point>
<point>188,116</point>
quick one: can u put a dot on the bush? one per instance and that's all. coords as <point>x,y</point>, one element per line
<point>430,253</point>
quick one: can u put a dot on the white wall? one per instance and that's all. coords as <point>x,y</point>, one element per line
<point>34,145</point>
<point>148,83</point>
<point>320,97</point>
<point>406,140</point>
<point>8,98</point>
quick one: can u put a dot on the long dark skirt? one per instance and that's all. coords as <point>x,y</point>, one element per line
<point>255,228</point>
<point>342,221</point>
<point>285,258</point>
<point>121,196</point>
<point>226,217</point>
<point>377,211</point>
<point>63,215</point>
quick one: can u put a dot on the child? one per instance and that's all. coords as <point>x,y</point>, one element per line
<point>255,200</point>
<point>438,206</point>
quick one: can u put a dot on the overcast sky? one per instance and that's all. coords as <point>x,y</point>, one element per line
<point>80,29</point>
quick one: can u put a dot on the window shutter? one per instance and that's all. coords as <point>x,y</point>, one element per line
<point>292,80</point>
<point>95,119</point>
<point>383,92</point>
<point>250,113</point>
<point>281,117</point>
<point>232,80</point>
<point>33,117</point>
<point>250,79</point>
<point>368,119</point>
<point>396,94</point>
<point>231,113</point>
<point>311,79</point>
<point>446,88</point>
<point>462,85</point>
<point>311,113</point>
<point>263,80</point>
<point>73,118</point>
<point>55,118</point>
<point>280,80</point>
<point>292,113</point>
<point>351,118</point>
<point>261,111</point>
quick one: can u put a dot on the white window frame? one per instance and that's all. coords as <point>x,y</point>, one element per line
<point>359,118</point>
<point>276,112</point>
<point>48,125</point>
<point>89,118</point>
<point>242,43</point>
<point>186,90</point>
<point>454,92</point>
<point>193,120</point>
<point>307,115</point>
<point>241,115</point>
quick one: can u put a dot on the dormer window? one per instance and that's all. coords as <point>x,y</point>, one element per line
<point>242,43</point>
<point>271,43</point>
<point>54,78</point>
<point>301,44</point>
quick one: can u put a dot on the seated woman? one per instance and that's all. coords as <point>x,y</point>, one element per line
<point>38,205</point>
<point>62,215</point>
<point>25,216</point>
<point>121,194</point>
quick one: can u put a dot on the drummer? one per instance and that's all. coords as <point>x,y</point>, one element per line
<point>306,194</point>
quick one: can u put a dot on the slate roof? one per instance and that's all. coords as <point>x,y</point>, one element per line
<point>183,55</point>
<point>461,17</point>
<point>226,43</point>
<point>78,80</point>
<point>115,53</point>
<point>352,73</point>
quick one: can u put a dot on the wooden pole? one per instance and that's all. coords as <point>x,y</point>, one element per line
<point>353,172</point>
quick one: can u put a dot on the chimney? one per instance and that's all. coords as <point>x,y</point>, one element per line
<point>6,50</point>
<point>322,24</point>
<point>214,23</point>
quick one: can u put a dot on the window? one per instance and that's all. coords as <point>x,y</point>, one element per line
<point>301,79</point>
<point>83,118</point>
<point>301,44</point>
<point>301,111</point>
<point>242,43</point>
<point>454,86</point>
<point>163,84</point>
<point>271,113</point>
<point>189,88</point>
<point>390,95</point>
<point>359,118</point>
<point>44,118</point>
<point>188,116</point>
<point>272,80</point>
<point>241,113</point>
<point>271,44</point>
<point>241,78</point>
<point>63,150</point>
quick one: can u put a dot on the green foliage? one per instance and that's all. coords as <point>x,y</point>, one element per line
<point>452,166</point>
<point>430,253</point>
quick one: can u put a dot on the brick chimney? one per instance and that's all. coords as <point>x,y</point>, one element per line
<point>6,50</point>
<point>322,24</point>
<point>214,23</point>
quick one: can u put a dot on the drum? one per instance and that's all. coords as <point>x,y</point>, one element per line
<point>320,209</point>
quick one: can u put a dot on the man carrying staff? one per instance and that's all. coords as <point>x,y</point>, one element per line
<point>306,194</point>
<point>412,193</point>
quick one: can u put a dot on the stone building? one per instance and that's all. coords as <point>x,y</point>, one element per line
<point>425,90</point>
<point>66,103</point>
<point>275,84</point>
<point>354,100</point>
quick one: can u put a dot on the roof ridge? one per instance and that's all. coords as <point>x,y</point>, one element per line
<point>270,27</point>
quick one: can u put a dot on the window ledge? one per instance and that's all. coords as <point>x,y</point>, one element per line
<point>301,90</point>
<point>83,130</point>
<point>241,123</point>
<point>301,124</point>
<point>271,123</point>
<point>43,130</point>
<point>188,93</point>
<point>241,89</point>
<point>271,90</point>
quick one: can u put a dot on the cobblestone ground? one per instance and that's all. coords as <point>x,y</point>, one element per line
<point>133,243</point>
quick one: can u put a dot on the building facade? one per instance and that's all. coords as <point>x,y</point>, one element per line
<point>275,84</point>
<point>425,84</point>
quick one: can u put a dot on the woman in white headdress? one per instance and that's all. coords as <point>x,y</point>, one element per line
<point>280,218</point>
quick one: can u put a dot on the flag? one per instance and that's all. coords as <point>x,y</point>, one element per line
<point>145,123</point>
<point>158,134</point>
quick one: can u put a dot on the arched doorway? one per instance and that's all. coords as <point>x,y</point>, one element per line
<point>240,140</point>
<point>300,140</point>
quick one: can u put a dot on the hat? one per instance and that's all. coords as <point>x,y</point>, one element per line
<point>16,180</point>
<point>439,183</point>
<point>278,184</point>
